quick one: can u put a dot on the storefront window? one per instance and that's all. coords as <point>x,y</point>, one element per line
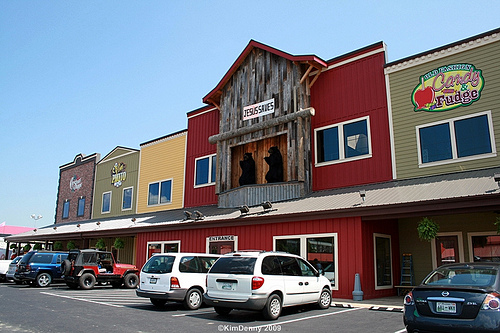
<point>486,248</point>
<point>81,206</point>
<point>106,202</point>
<point>457,138</point>
<point>447,250</point>
<point>290,245</point>
<point>383,261</point>
<point>65,214</point>
<point>320,255</point>
<point>319,249</point>
<point>205,168</point>
<point>343,142</point>
<point>127,198</point>
<point>162,247</point>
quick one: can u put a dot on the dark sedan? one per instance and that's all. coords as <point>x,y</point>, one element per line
<point>460,297</point>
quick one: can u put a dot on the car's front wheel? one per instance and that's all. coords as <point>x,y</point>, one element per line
<point>272,310</point>
<point>131,280</point>
<point>325,299</point>
<point>43,280</point>
<point>193,299</point>
<point>87,281</point>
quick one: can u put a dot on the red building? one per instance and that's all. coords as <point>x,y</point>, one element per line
<point>329,122</point>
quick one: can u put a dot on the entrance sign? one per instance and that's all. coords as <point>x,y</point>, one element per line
<point>220,238</point>
<point>447,88</point>
<point>259,109</point>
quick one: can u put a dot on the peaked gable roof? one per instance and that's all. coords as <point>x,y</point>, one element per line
<point>213,96</point>
<point>118,151</point>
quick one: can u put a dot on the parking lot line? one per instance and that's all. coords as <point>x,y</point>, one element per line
<point>193,313</point>
<point>309,317</point>
<point>82,299</point>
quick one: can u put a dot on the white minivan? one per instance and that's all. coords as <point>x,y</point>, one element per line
<point>265,281</point>
<point>178,277</point>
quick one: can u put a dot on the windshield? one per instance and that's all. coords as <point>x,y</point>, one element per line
<point>234,265</point>
<point>159,264</point>
<point>463,276</point>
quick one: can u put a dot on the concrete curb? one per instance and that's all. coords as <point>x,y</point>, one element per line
<point>368,306</point>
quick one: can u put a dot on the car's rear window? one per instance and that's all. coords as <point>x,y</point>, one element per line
<point>463,276</point>
<point>234,265</point>
<point>159,264</point>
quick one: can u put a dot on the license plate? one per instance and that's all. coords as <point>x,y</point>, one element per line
<point>227,286</point>
<point>152,280</point>
<point>445,307</point>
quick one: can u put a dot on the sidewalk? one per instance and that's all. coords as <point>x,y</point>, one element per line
<point>393,303</point>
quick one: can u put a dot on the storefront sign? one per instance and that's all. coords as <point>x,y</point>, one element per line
<point>75,183</point>
<point>118,174</point>
<point>258,110</point>
<point>447,88</point>
<point>220,238</point>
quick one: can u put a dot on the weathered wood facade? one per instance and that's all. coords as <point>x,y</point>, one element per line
<point>262,74</point>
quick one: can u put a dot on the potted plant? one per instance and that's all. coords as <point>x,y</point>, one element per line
<point>119,243</point>
<point>37,246</point>
<point>26,247</point>
<point>427,229</point>
<point>58,246</point>
<point>100,244</point>
<point>497,223</point>
<point>13,246</point>
<point>71,245</point>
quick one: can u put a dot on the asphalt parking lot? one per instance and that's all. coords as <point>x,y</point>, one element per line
<point>120,310</point>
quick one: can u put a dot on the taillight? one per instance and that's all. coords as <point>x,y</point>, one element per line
<point>491,302</point>
<point>408,300</point>
<point>257,282</point>
<point>174,283</point>
<point>28,267</point>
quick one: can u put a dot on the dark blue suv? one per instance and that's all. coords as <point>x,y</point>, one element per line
<point>40,267</point>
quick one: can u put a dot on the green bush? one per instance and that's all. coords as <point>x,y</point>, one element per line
<point>427,229</point>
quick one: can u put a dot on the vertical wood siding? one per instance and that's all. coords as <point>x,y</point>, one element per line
<point>355,244</point>
<point>200,128</point>
<point>263,76</point>
<point>356,89</point>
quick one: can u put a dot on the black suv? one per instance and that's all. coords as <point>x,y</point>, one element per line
<point>40,268</point>
<point>85,268</point>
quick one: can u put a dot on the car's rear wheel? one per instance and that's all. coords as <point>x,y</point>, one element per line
<point>193,299</point>
<point>158,302</point>
<point>325,299</point>
<point>272,310</point>
<point>222,311</point>
<point>87,281</point>
<point>43,280</point>
<point>131,280</point>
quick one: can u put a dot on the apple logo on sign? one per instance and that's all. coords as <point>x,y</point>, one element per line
<point>424,96</point>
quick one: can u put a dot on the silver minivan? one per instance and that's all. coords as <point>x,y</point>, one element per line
<point>178,277</point>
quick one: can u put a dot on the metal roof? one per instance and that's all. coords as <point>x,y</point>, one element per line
<point>449,191</point>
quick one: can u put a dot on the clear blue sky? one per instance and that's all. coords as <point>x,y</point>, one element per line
<point>87,76</point>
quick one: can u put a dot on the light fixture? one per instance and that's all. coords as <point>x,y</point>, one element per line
<point>78,225</point>
<point>133,219</point>
<point>98,223</point>
<point>55,228</point>
<point>198,215</point>
<point>34,230</point>
<point>267,205</point>
<point>496,177</point>
<point>244,209</point>
<point>362,194</point>
<point>188,215</point>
